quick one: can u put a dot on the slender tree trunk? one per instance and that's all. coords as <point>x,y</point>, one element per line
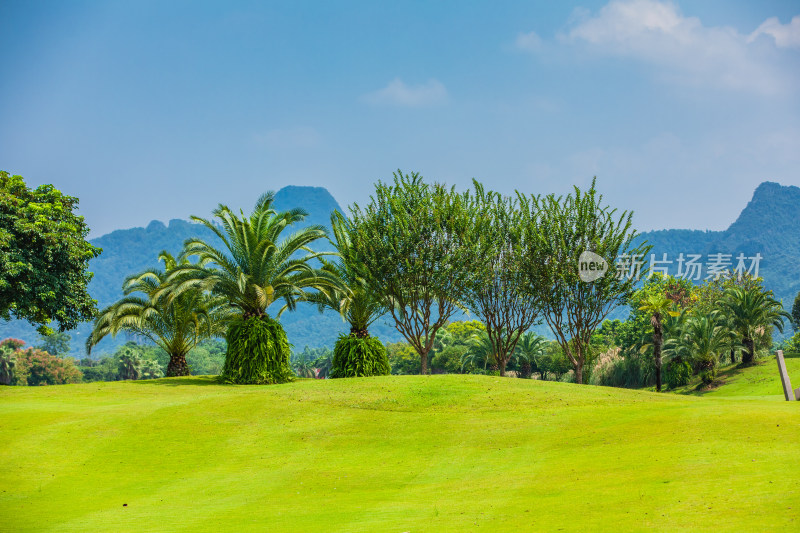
<point>579,373</point>
<point>733,355</point>
<point>657,340</point>
<point>177,365</point>
<point>749,354</point>
<point>424,358</point>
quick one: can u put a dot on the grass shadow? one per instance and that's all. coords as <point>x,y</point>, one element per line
<point>181,381</point>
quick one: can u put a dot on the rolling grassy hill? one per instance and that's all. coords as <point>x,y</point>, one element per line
<point>398,453</point>
<point>760,380</point>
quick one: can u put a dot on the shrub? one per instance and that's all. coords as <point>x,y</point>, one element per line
<point>359,356</point>
<point>36,367</point>
<point>707,368</point>
<point>613,369</point>
<point>258,352</point>
<point>448,360</point>
<point>708,376</point>
<point>403,359</point>
<point>677,374</point>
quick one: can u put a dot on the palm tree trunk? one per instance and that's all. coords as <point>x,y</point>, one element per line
<point>177,365</point>
<point>749,354</point>
<point>657,340</point>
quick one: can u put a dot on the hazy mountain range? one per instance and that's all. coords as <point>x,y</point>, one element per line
<point>769,226</point>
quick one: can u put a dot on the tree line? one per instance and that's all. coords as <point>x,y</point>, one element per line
<point>419,253</point>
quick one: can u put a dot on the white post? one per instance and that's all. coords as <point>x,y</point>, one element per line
<point>788,393</point>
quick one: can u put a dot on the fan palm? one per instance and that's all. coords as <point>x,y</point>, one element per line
<point>253,269</point>
<point>750,310</point>
<point>176,325</point>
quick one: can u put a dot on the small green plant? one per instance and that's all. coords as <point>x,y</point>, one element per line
<point>678,374</point>
<point>708,376</point>
<point>359,356</point>
<point>258,352</point>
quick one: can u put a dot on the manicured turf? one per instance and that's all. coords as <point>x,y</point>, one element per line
<point>407,453</point>
<point>760,380</point>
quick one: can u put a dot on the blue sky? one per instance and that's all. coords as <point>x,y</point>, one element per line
<point>159,110</point>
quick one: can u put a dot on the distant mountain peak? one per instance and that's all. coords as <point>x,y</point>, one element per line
<point>302,195</point>
<point>772,205</point>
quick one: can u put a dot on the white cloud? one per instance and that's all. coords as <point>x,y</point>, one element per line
<point>397,93</point>
<point>785,35</point>
<point>682,48</point>
<point>529,42</point>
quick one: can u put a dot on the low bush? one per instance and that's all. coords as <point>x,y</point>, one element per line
<point>258,352</point>
<point>677,374</point>
<point>359,356</point>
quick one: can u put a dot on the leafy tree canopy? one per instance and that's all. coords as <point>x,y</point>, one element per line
<point>43,256</point>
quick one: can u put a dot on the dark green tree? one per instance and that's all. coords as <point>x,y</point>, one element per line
<point>43,257</point>
<point>557,231</point>
<point>796,313</point>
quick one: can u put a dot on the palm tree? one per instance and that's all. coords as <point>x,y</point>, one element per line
<point>751,310</point>
<point>349,295</point>
<point>657,306</point>
<point>175,325</point>
<point>705,338</point>
<point>481,352</point>
<point>303,365</point>
<point>254,269</point>
<point>529,349</point>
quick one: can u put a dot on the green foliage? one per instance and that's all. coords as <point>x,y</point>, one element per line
<point>312,362</point>
<point>796,313</point>
<point>557,231</point>
<point>54,344</point>
<point>496,293</point>
<point>32,366</point>
<point>8,365</point>
<point>207,358</point>
<point>752,311</point>
<point>359,356</point>
<point>174,323</point>
<point>410,246</point>
<point>403,358</point>
<point>529,351</point>
<point>553,363</point>
<point>105,369</point>
<point>256,267</point>
<point>258,352</point>
<point>349,295</point>
<point>617,369</point>
<point>448,360</point>
<point>43,256</point>
<point>677,374</point>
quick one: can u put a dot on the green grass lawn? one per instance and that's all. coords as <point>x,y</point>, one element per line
<point>760,380</point>
<point>406,453</point>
